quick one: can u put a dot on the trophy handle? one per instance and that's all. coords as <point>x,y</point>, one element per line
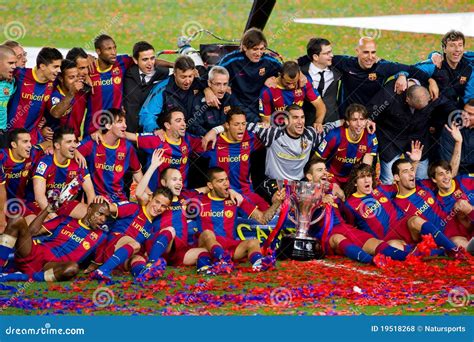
<point>318,218</point>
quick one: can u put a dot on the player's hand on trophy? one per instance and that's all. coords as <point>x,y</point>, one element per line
<point>279,196</point>
<point>328,199</point>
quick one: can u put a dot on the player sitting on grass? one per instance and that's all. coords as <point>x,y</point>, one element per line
<point>342,238</point>
<point>217,220</point>
<point>56,257</point>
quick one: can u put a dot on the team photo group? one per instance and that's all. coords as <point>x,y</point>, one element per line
<point>126,165</point>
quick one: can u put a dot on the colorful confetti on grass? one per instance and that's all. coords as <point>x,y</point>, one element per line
<point>334,286</point>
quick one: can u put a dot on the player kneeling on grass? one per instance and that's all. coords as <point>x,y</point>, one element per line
<point>217,221</point>
<point>343,238</point>
<point>56,257</point>
<point>135,224</point>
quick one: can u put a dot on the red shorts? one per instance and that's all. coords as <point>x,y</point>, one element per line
<point>35,260</point>
<point>400,232</point>
<point>175,256</point>
<point>356,236</point>
<point>456,228</point>
<point>65,209</point>
<point>229,245</point>
<point>110,248</point>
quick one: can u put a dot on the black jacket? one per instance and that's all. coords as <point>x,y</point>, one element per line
<point>135,94</point>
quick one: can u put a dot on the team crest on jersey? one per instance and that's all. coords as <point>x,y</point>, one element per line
<point>372,76</point>
<point>118,168</point>
<point>41,169</point>
<point>117,80</point>
<point>430,201</point>
<point>116,71</point>
<point>72,174</point>
<point>94,236</point>
<point>121,156</point>
<point>184,149</point>
<point>375,192</point>
<point>226,109</point>
<point>86,245</point>
<point>362,148</point>
<point>462,80</point>
<point>245,145</point>
<point>298,92</point>
<point>55,100</point>
<point>49,86</point>
<point>375,141</point>
<point>458,194</point>
<point>322,146</point>
<point>229,213</point>
<point>421,192</point>
<point>6,91</point>
<point>195,91</point>
<point>245,157</point>
<point>46,98</point>
<point>261,72</point>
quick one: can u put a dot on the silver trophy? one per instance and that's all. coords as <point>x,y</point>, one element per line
<point>305,198</point>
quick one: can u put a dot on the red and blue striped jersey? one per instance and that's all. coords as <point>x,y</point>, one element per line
<point>73,116</point>
<point>220,215</point>
<point>18,172</point>
<point>342,153</point>
<point>108,165</point>
<point>27,105</point>
<point>57,175</point>
<point>421,202</point>
<point>132,220</point>
<point>276,99</point>
<point>234,158</point>
<point>176,155</point>
<point>373,213</point>
<point>72,240</point>
<point>107,91</point>
<point>462,189</point>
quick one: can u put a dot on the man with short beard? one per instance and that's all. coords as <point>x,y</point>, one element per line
<point>7,84</point>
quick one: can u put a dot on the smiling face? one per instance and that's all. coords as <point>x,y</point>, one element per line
<point>119,127</point>
<point>82,67</point>
<point>356,124</point>
<point>22,145</point>
<point>366,53</point>
<point>443,179</point>
<point>69,77</point>
<point>235,128</point>
<point>157,205</point>
<point>405,178</point>
<point>324,59</point>
<point>454,51</point>
<point>318,173</point>
<point>146,61</point>
<point>173,180</point>
<point>176,128</point>
<point>296,122</point>
<point>51,70</point>
<point>219,185</point>
<point>66,146</point>
<point>97,215</point>
<point>254,54</point>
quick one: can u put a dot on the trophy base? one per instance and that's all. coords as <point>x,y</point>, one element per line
<point>302,249</point>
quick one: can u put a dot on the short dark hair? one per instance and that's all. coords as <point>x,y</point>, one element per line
<point>75,53</point>
<point>452,36</point>
<point>236,110</point>
<point>48,55</point>
<point>140,47</point>
<point>212,172</point>
<point>439,163</point>
<point>14,133</point>
<point>470,103</point>
<point>184,63</point>
<point>60,132</point>
<point>293,106</point>
<point>99,40</point>
<point>11,44</point>
<point>107,115</point>
<point>166,116</point>
<point>253,37</point>
<point>162,190</point>
<point>353,108</point>
<point>315,46</point>
<point>398,162</point>
<point>290,68</point>
<point>165,171</point>
<point>313,161</point>
<point>67,64</point>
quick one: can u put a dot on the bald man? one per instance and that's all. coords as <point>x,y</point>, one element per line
<point>402,119</point>
<point>365,74</point>
<point>7,88</point>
